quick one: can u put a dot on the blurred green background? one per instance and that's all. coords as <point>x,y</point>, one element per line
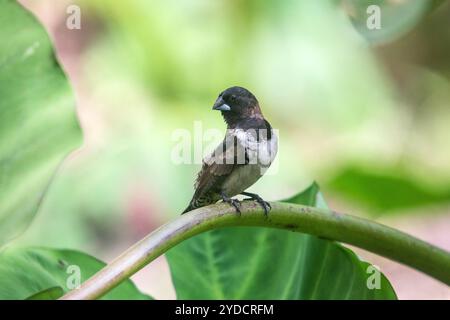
<point>365,113</point>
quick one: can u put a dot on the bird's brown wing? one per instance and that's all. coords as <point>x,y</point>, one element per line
<point>218,166</point>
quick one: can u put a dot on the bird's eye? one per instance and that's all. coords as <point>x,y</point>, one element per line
<point>233,98</point>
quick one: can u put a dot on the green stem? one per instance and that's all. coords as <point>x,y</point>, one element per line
<point>356,231</point>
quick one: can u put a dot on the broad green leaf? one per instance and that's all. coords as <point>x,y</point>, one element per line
<point>38,125</point>
<point>47,294</point>
<point>37,273</point>
<point>263,263</point>
<point>381,190</point>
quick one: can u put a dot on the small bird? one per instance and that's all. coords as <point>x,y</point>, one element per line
<point>248,149</point>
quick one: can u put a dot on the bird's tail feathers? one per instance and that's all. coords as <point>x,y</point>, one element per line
<point>190,207</point>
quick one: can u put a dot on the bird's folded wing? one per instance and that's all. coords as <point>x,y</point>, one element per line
<point>219,165</point>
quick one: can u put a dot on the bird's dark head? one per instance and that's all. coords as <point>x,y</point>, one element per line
<point>237,103</point>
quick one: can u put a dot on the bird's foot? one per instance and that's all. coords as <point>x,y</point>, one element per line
<point>234,202</point>
<point>264,204</point>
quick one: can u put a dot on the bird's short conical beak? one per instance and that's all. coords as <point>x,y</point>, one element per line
<point>221,105</point>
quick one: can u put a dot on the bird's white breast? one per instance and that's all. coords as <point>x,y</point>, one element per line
<point>260,153</point>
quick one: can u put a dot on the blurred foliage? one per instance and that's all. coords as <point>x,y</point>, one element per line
<point>38,126</point>
<point>278,265</point>
<point>36,273</point>
<point>375,117</point>
<point>385,190</point>
<point>186,52</point>
<point>147,68</point>
<point>397,17</point>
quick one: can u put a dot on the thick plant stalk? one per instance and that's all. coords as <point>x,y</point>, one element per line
<point>348,229</point>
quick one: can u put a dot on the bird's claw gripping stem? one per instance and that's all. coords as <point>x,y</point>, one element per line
<point>234,202</point>
<point>264,204</point>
